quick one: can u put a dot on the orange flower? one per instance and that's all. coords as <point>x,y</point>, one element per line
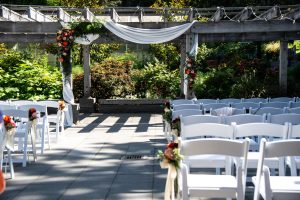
<point>2,183</point>
<point>60,59</point>
<point>61,104</point>
<point>6,119</point>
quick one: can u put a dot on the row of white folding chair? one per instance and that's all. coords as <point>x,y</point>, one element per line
<point>23,131</point>
<point>294,162</point>
<point>276,187</point>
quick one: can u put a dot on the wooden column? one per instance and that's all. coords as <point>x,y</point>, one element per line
<point>87,70</point>
<point>182,63</point>
<point>87,103</point>
<point>188,47</point>
<point>283,63</point>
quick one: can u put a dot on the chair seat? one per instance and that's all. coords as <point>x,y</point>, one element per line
<point>283,184</point>
<point>206,185</point>
<point>207,161</point>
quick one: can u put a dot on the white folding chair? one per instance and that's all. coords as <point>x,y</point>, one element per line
<point>207,108</point>
<point>255,100</point>
<point>197,130</point>
<point>194,119</point>
<point>213,186</point>
<point>294,162</point>
<point>57,118</point>
<point>181,101</point>
<point>229,101</point>
<point>294,104</point>
<point>22,132</point>
<point>245,105</point>
<point>282,99</point>
<point>186,106</point>
<point>283,118</point>
<point>293,110</point>
<point>185,112</point>
<point>43,123</point>
<point>206,101</point>
<point>268,130</point>
<point>244,119</point>
<point>22,102</point>
<point>226,111</point>
<point>267,110</point>
<point>8,107</point>
<point>276,187</point>
<point>274,104</point>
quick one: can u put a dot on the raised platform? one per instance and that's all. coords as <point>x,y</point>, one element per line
<point>130,105</point>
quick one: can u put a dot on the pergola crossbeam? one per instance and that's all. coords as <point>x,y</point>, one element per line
<point>218,15</point>
<point>10,15</point>
<point>88,15</point>
<point>243,15</point>
<point>294,14</point>
<point>38,16</point>
<point>114,15</point>
<point>62,15</point>
<point>270,14</point>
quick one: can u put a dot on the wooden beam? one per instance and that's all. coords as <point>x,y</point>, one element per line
<point>27,38</point>
<point>243,15</point>
<point>88,15</point>
<point>10,15</point>
<point>218,15</point>
<point>270,14</point>
<point>62,15</point>
<point>38,16</point>
<point>283,63</point>
<point>245,27</point>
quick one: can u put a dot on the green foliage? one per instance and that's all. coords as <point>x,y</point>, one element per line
<point>156,81</point>
<point>99,52</point>
<point>110,79</point>
<point>24,76</point>
<point>167,53</point>
<point>84,28</point>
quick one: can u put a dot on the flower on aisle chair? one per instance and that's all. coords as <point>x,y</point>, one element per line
<point>61,104</point>
<point>171,155</point>
<point>9,123</point>
<point>32,114</point>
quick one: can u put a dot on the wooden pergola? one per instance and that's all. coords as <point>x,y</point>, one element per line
<point>39,24</point>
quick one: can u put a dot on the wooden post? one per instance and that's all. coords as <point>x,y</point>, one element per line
<point>283,63</point>
<point>182,63</point>
<point>87,70</point>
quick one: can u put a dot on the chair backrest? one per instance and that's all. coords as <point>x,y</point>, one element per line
<point>186,106</point>
<point>229,100</point>
<point>22,102</point>
<point>16,113</point>
<point>267,110</point>
<point>275,104</point>
<point>212,106</point>
<point>294,110</point>
<point>294,104</point>
<point>194,119</point>
<point>245,105</point>
<point>294,131</point>
<point>206,101</point>
<point>7,107</point>
<point>261,129</point>
<point>255,100</point>
<point>49,103</point>
<point>244,119</point>
<point>4,103</point>
<point>283,118</point>
<point>186,112</point>
<point>282,99</point>
<point>226,111</point>
<point>181,101</point>
<point>206,129</point>
<point>42,110</point>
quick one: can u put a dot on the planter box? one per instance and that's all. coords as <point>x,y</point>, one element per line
<point>130,106</point>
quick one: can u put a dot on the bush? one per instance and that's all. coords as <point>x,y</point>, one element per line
<point>156,81</point>
<point>110,79</point>
<point>27,76</point>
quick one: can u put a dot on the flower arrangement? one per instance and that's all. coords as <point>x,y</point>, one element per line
<point>175,126</point>
<point>61,105</point>
<point>167,115</point>
<point>32,114</point>
<point>190,70</point>
<point>171,155</point>
<point>9,123</point>
<point>65,39</point>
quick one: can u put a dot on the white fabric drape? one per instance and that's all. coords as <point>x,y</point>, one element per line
<point>86,39</point>
<point>147,36</point>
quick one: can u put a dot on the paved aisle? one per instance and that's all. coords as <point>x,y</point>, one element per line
<point>90,162</point>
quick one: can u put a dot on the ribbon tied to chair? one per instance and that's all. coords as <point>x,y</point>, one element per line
<point>33,133</point>
<point>172,174</point>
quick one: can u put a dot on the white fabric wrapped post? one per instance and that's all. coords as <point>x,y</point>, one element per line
<point>33,133</point>
<point>172,174</point>
<point>7,141</point>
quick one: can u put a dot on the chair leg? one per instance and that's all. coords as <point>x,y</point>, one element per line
<point>11,165</point>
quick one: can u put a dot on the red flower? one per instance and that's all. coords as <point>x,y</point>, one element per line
<point>65,43</point>
<point>172,145</point>
<point>60,59</point>
<point>32,114</point>
<point>187,71</point>
<point>2,183</point>
<point>65,33</point>
<point>169,154</point>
